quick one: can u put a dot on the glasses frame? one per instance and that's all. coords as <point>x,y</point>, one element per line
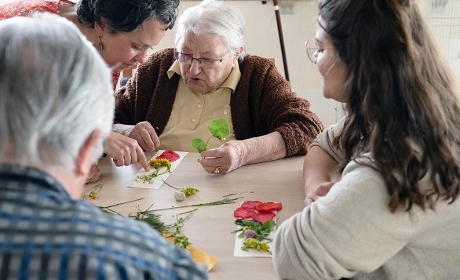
<point>312,56</point>
<point>199,59</point>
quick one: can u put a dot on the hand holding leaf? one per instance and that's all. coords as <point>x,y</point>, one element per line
<point>219,129</point>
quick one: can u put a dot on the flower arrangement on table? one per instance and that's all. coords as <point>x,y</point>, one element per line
<point>173,232</point>
<point>161,165</point>
<point>255,222</point>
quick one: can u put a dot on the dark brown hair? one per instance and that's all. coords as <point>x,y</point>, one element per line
<point>403,105</point>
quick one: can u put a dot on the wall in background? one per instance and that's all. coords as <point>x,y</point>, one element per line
<point>262,39</point>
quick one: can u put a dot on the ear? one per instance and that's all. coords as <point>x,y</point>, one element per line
<point>84,159</point>
<point>239,52</point>
<point>100,27</point>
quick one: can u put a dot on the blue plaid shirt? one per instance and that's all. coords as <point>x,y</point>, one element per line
<point>44,234</point>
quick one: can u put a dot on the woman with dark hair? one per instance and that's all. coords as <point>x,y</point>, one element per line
<point>122,32</point>
<point>383,195</point>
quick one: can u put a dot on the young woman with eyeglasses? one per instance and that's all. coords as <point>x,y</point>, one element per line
<point>382,185</point>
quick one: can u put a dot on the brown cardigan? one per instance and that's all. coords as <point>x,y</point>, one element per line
<point>261,103</point>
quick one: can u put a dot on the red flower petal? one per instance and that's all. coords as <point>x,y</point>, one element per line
<point>257,210</point>
<point>263,215</point>
<point>274,206</point>
<point>169,155</point>
<point>250,204</point>
<point>243,213</point>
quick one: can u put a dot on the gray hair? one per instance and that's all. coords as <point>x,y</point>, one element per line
<point>55,90</point>
<point>213,17</point>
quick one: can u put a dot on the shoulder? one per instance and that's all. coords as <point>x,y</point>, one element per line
<point>326,138</point>
<point>256,62</point>
<point>160,59</point>
<point>26,8</point>
<point>257,70</point>
<point>162,55</point>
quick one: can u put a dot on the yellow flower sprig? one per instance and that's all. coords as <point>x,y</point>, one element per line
<point>157,164</point>
<point>93,192</point>
<point>252,243</point>
<point>188,191</point>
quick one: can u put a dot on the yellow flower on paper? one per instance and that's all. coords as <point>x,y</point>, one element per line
<point>161,162</point>
<point>157,164</point>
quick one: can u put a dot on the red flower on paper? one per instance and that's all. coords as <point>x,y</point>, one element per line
<point>257,210</point>
<point>169,155</point>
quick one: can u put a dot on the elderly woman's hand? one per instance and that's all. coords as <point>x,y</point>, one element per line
<point>237,153</point>
<point>145,135</point>
<point>223,159</point>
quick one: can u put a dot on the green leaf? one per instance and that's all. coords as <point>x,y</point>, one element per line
<point>269,225</point>
<point>252,224</point>
<point>199,145</point>
<point>219,128</point>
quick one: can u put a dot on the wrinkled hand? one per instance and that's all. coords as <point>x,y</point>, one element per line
<point>125,151</point>
<point>145,135</point>
<point>224,158</point>
<point>94,174</point>
<point>321,190</point>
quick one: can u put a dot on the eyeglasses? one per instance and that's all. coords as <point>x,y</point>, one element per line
<point>187,58</point>
<point>312,51</point>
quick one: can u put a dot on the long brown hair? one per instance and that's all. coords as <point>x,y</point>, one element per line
<point>403,105</point>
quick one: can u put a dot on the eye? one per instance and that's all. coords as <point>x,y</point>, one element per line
<point>135,47</point>
<point>207,61</point>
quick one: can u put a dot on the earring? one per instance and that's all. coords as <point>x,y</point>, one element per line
<point>101,47</point>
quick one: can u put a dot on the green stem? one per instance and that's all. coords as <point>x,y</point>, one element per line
<point>121,203</point>
<point>218,202</point>
<point>206,144</point>
<point>191,211</point>
<point>170,185</point>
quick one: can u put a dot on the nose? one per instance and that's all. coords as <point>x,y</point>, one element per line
<point>141,57</point>
<point>195,67</point>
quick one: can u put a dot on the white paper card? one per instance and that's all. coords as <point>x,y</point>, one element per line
<point>238,252</point>
<point>158,182</point>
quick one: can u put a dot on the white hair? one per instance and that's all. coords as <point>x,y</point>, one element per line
<point>55,90</point>
<point>213,17</point>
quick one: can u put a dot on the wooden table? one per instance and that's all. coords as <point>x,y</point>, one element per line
<point>209,228</point>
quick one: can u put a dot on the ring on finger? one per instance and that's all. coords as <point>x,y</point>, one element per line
<point>217,170</point>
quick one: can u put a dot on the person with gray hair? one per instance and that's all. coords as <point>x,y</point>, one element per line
<point>173,96</point>
<point>56,110</point>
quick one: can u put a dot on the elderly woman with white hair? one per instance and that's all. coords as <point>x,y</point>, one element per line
<point>173,96</point>
<point>56,110</point>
